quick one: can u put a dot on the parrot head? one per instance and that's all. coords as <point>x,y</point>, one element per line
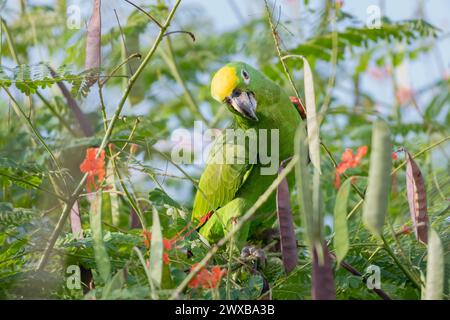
<point>238,85</point>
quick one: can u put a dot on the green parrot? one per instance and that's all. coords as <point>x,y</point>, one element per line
<point>228,190</point>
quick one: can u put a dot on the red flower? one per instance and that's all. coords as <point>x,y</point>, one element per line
<point>167,244</point>
<point>207,279</point>
<point>349,160</point>
<point>394,156</point>
<point>93,167</point>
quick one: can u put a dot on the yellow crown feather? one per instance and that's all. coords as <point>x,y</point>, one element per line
<point>223,83</point>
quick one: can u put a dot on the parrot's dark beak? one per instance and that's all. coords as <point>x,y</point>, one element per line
<point>244,103</point>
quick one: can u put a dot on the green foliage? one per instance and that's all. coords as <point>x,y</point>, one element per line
<point>27,176</point>
<point>321,46</point>
<point>172,85</point>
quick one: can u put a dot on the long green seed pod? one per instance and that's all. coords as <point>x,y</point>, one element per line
<point>435,268</point>
<point>377,194</point>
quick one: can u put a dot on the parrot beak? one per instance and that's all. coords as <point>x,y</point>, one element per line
<point>244,103</point>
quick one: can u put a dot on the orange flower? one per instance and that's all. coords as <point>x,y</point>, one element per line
<point>93,167</point>
<point>349,160</point>
<point>147,235</point>
<point>167,244</point>
<point>207,279</point>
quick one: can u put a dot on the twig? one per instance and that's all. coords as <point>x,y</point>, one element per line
<point>30,125</point>
<point>181,31</point>
<point>9,40</point>
<point>147,14</point>
<point>277,46</point>
<point>124,43</point>
<point>383,295</point>
<point>117,68</point>
<point>422,152</point>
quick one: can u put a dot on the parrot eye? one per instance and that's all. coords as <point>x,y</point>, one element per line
<point>246,76</point>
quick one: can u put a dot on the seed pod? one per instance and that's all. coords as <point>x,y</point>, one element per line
<point>417,199</point>
<point>322,286</point>
<point>93,41</point>
<point>102,259</point>
<point>377,194</point>
<point>341,242</point>
<point>435,268</point>
<point>286,225</point>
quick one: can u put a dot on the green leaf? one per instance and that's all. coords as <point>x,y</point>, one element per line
<point>321,46</point>
<point>156,251</point>
<point>29,78</point>
<point>377,194</point>
<point>10,216</point>
<point>434,286</point>
<point>101,255</point>
<point>341,242</point>
<point>24,175</point>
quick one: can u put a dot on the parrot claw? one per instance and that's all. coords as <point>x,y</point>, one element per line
<point>254,253</point>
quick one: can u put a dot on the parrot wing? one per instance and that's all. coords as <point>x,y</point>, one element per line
<point>222,179</point>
